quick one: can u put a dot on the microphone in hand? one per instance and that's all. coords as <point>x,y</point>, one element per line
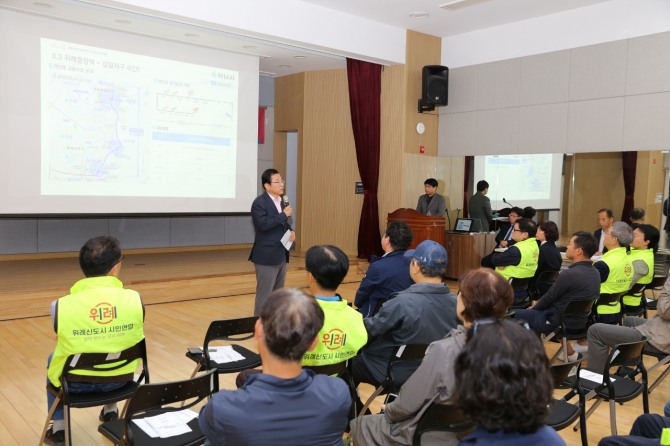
<point>288,209</point>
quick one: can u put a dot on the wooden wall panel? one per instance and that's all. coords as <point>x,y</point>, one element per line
<point>328,208</point>
<point>289,100</point>
<point>598,184</point>
<point>421,50</point>
<point>649,179</point>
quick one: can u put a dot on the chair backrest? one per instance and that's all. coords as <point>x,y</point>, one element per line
<point>566,375</point>
<point>628,354</point>
<point>152,399</point>
<point>338,369</point>
<point>229,330</point>
<point>404,353</point>
<point>636,290</point>
<point>519,283</point>
<point>441,417</point>
<point>609,298</point>
<point>548,276</point>
<point>578,308</point>
<point>107,362</point>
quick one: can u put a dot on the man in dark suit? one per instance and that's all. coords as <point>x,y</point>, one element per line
<point>271,219</point>
<point>605,220</point>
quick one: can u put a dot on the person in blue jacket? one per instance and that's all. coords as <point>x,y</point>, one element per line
<point>387,274</point>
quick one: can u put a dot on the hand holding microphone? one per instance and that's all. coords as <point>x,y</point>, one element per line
<point>288,209</point>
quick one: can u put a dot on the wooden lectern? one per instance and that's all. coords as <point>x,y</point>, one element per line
<point>423,227</point>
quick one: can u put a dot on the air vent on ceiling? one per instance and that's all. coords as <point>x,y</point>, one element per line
<point>455,5</point>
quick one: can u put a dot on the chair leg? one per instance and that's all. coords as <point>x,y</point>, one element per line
<point>195,372</point>
<point>68,431</point>
<point>367,404</point>
<point>662,376</point>
<point>582,418</point>
<point>588,414</point>
<point>52,409</point>
<point>613,416</point>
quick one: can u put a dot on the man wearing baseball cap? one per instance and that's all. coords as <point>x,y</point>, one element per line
<point>421,314</point>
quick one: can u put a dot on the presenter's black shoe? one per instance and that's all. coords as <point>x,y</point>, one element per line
<point>109,416</point>
<point>55,438</point>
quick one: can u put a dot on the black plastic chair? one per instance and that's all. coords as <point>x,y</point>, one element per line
<point>544,281</point>
<point>610,299</point>
<point>231,331</point>
<point>94,362</point>
<point>636,290</point>
<point>656,285</point>
<point>575,309</point>
<point>520,287</point>
<point>341,370</point>
<point>562,413</point>
<point>663,359</point>
<point>158,399</point>
<point>620,389</point>
<point>404,353</point>
<point>441,417</point>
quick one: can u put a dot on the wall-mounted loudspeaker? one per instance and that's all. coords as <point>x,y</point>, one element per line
<point>434,87</point>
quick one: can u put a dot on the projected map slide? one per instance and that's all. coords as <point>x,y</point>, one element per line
<point>122,124</point>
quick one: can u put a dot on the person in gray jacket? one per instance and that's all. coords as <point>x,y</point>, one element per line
<point>421,314</point>
<point>483,294</point>
<point>431,203</point>
<point>603,336</point>
<point>479,206</point>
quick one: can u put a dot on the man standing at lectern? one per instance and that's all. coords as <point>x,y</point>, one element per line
<point>431,203</point>
<point>271,219</point>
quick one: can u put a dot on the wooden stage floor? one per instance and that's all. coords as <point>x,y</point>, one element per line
<point>27,286</point>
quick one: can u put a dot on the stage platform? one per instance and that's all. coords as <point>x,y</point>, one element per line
<point>28,284</point>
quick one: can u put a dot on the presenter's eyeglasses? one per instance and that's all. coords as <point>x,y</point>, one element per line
<point>279,182</point>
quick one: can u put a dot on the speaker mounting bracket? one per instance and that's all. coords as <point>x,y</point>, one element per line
<point>425,107</point>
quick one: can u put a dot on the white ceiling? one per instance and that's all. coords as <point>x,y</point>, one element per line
<point>441,23</point>
<point>278,59</point>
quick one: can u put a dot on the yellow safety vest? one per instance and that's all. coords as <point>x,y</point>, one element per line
<point>98,316</point>
<point>342,335</point>
<point>530,252</point>
<point>619,279</point>
<point>646,255</point>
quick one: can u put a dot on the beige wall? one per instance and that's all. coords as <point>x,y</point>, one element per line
<point>599,184</point>
<point>316,105</point>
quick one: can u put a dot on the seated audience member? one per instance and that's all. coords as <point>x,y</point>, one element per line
<point>529,212</point>
<point>285,404</point>
<point>421,314</point>
<point>646,431</point>
<point>505,235</point>
<point>580,281</point>
<point>343,332</point>
<point>431,203</point>
<point>482,294</point>
<point>616,271</point>
<point>637,216</point>
<point>386,274</point>
<point>601,337</point>
<point>550,257</point>
<point>643,248</point>
<point>502,381</point>
<point>520,259</point>
<point>100,260</point>
<point>605,221</point>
